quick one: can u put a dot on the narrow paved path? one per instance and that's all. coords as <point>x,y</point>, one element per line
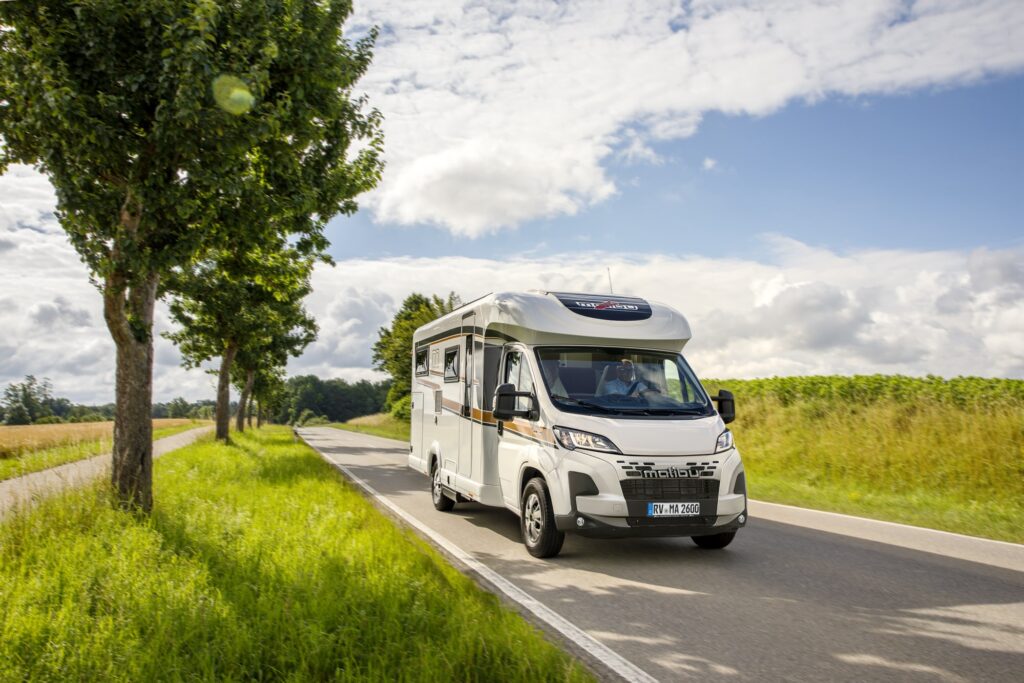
<point>24,490</point>
<point>783,602</point>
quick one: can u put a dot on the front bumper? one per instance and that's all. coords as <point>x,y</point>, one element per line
<point>595,526</point>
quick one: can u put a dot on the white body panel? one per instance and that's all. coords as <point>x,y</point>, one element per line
<point>485,461</point>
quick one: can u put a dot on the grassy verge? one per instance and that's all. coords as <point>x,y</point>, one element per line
<point>45,458</point>
<point>923,461</point>
<point>381,424</point>
<point>258,563</point>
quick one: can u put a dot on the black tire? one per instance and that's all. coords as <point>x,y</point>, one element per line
<point>537,521</point>
<point>441,501</point>
<point>714,541</point>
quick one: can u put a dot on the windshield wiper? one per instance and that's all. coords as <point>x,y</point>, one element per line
<point>673,411</point>
<point>588,404</point>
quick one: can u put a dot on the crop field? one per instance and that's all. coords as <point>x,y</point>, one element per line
<point>274,568</point>
<point>30,448</point>
<point>946,454</point>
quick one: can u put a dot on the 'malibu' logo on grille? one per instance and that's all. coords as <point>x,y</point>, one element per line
<point>649,470</point>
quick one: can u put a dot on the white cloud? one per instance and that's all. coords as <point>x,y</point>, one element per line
<point>497,113</point>
<point>801,310</point>
<point>709,164</point>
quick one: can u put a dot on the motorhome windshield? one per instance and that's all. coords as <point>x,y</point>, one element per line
<point>622,382</point>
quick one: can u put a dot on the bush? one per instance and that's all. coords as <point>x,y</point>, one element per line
<point>89,417</point>
<point>316,420</point>
<point>306,417</point>
<point>49,420</point>
<point>402,410</point>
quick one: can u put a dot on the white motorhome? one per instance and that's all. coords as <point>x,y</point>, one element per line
<point>577,412</point>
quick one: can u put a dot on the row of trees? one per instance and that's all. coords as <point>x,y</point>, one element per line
<point>334,400</point>
<point>197,149</point>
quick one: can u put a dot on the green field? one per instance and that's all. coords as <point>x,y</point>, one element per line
<point>259,563</point>
<point>27,461</point>
<point>945,454</point>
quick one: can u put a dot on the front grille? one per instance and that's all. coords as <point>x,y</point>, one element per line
<point>669,489</point>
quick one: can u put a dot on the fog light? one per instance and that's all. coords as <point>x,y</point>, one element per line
<point>743,519</point>
<point>579,521</point>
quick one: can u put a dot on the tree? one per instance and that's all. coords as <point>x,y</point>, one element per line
<point>32,400</point>
<point>392,351</point>
<point>286,330</point>
<point>164,126</point>
<point>241,302</point>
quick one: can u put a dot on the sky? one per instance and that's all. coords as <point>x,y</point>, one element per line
<point>826,187</point>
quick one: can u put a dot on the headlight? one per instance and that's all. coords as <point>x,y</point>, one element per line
<point>724,441</point>
<point>572,439</point>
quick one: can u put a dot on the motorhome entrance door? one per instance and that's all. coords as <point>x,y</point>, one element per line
<point>469,398</point>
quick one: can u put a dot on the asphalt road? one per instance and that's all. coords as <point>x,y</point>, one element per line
<point>781,603</point>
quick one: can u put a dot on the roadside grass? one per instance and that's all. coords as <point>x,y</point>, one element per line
<point>922,462</point>
<point>25,453</point>
<point>379,424</point>
<point>259,562</point>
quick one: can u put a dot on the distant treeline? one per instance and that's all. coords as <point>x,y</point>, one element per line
<point>308,398</point>
<point>33,402</point>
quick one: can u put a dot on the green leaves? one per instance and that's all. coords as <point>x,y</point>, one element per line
<point>392,352</point>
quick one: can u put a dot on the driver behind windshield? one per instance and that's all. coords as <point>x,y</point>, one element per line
<point>625,381</point>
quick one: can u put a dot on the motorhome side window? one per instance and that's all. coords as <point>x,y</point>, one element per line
<point>421,363</point>
<point>451,364</point>
<point>517,372</point>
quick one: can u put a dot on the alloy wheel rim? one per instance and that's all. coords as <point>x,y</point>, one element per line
<point>533,519</point>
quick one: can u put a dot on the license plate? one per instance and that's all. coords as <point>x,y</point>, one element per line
<point>673,509</point>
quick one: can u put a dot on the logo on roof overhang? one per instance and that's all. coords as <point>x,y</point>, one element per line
<point>604,308</point>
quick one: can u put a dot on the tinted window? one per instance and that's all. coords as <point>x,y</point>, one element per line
<point>421,362</point>
<point>451,364</point>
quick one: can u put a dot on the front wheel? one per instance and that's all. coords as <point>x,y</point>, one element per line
<point>441,501</point>
<point>537,519</point>
<point>714,541</point>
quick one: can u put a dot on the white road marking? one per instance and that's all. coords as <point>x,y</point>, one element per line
<point>600,652</point>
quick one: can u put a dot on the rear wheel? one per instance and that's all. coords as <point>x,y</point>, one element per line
<point>537,520</point>
<point>441,501</point>
<point>714,541</point>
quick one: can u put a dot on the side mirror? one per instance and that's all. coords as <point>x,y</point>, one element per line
<point>505,402</point>
<point>726,405</point>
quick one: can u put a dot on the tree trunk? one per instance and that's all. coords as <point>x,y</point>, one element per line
<point>259,415</point>
<point>251,410</point>
<point>243,401</point>
<point>128,311</point>
<point>223,414</point>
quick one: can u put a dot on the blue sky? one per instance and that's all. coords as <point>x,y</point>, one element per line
<point>939,168</point>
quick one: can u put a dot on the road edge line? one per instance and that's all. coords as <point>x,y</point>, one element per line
<point>986,551</point>
<point>594,650</point>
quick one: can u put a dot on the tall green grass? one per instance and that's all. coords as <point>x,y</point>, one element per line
<point>258,563</point>
<point>947,454</point>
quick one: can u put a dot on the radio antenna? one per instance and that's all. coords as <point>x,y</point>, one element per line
<point>610,289</point>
